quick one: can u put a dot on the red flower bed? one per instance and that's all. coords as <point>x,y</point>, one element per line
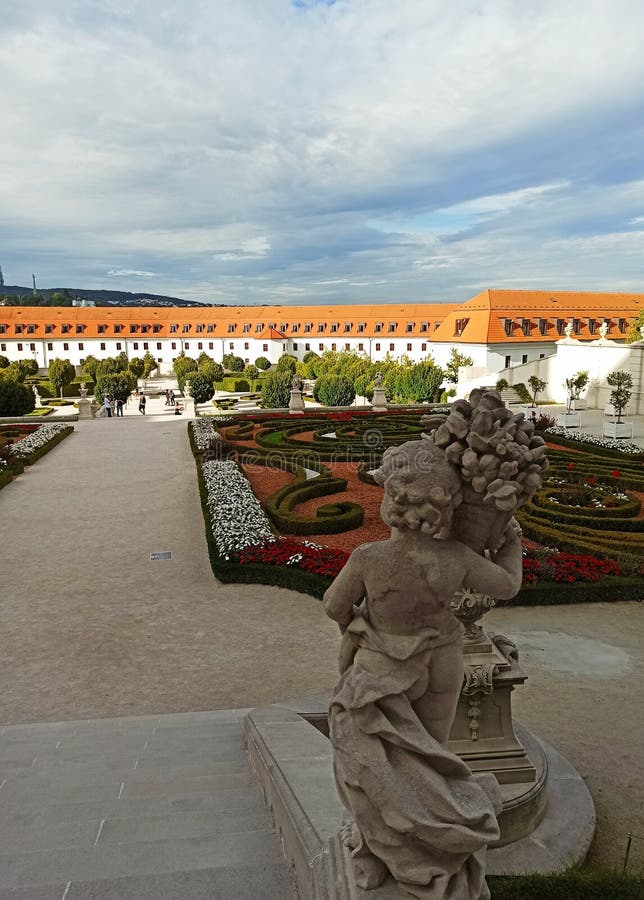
<point>311,558</point>
<point>567,567</point>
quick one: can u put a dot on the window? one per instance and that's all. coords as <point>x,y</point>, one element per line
<point>392,327</point>
<point>361,348</point>
<point>508,360</point>
<point>542,356</point>
<point>543,326</point>
<point>119,346</point>
<point>133,329</point>
<point>50,346</point>
<point>31,329</point>
<point>211,345</point>
<point>391,347</point>
<point>173,345</point>
<point>199,345</point>
<point>409,327</point>
<point>334,327</point>
<point>20,347</point>
<point>526,325</point>
<point>65,329</point>
<point>308,327</point>
<point>50,328</point>
<point>156,329</point>
<point>186,344</point>
<point>334,346</point>
<point>509,327</point>
<point>199,329</point>
<point>284,326</point>
<point>146,346</point>
<point>231,346</point>
<point>231,328</point>
<point>295,327</point>
<point>65,346</point>
<point>524,358</point>
<point>592,325</point>
<point>408,347</point>
<point>272,325</point>
<point>361,327</point>
<point>561,325</point>
<point>19,329</point>
<point>320,327</point>
<point>135,345</point>
<point>246,328</point>
<point>80,347</point>
<point>210,328</point>
<point>622,325</point>
<point>3,347</point>
<point>347,327</point>
<point>159,359</point>
<point>82,361</point>
<point>576,326</point>
<point>3,329</point>
<point>459,327</point>
<point>102,346</point>
<point>264,348</point>
<point>185,329</point>
<point>259,327</point>
<point>246,346</point>
<point>307,347</point>
<point>378,347</point>
<point>118,329</point>
<point>158,346</point>
<point>173,329</point>
<point>145,329</point>
<point>295,346</point>
<point>320,346</point>
<point>347,346</point>
<point>423,327</point>
<point>423,347</point>
<point>101,328</point>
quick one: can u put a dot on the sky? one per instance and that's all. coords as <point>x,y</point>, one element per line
<point>312,151</point>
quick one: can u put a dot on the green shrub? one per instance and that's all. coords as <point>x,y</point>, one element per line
<point>6,477</point>
<point>233,363</point>
<point>288,362</point>
<point>523,393</point>
<point>120,386</point>
<point>262,363</point>
<point>200,388</point>
<point>16,399</point>
<point>610,590</point>
<point>567,886</point>
<point>276,390</point>
<point>334,390</point>
<point>331,519</point>
<point>501,385</point>
<point>60,373</point>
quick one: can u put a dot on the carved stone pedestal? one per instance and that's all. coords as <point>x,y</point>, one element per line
<point>379,402</point>
<point>84,408</point>
<point>296,403</point>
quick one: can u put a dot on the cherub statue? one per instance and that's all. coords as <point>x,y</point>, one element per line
<point>296,383</point>
<point>416,810</point>
<point>378,380</point>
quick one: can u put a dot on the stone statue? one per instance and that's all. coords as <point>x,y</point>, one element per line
<point>568,330</point>
<point>296,383</point>
<point>378,380</point>
<point>603,330</point>
<point>416,811</point>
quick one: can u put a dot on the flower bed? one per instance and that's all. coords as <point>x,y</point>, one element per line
<point>307,556</point>
<point>595,443</point>
<point>203,434</point>
<point>237,519</point>
<point>40,441</point>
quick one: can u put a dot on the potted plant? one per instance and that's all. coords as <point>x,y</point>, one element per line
<point>574,386</point>
<point>622,383</point>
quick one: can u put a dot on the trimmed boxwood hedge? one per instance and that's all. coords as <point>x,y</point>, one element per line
<point>31,458</point>
<point>594,449</point>
<point>609,590</point>
<point>331,519</point>
<point>6,477</point>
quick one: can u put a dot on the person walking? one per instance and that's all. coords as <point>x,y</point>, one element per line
<point>119,407</point>
<point>107,406</point>
<point>142,404</point>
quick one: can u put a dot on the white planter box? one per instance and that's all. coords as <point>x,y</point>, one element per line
<point>577,405</point>
<point>617,429</point>
<point>569,420</point>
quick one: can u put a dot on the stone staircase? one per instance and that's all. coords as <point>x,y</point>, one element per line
<point>142,808</point>
<point>510,397</point>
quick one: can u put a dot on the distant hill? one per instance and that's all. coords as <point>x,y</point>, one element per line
<point>100,297</point>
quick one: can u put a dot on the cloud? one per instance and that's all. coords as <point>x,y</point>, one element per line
<point>352,151</point>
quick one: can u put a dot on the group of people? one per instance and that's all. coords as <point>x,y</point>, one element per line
<point>169,398</point>
<point>112,406</point>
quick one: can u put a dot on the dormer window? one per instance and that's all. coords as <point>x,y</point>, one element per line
<point>576,326</point>
<point>65,329</point>
<point>508,324</point>
<point>460,326</point>
<point>592,325</point>
<point>347,327</point>
<point>210,328</point>
<point>392,327</point>
<point>272,325</point>
<point>231,328</point>
<point>308,327</point>
<point>334,327</point>
<point>50,328</point>
<point>156,329</point>
<point>409,327</point>
<point>134,329</point>
<point>321,327</point>
<point>622,325</point>
<point>31,329</point>
<point>543,326</point>
<point>361,327</point>
<point>561,326</point>
<point>295,327</point>
<point>259,327</point>
<point>174,329</point>
<point>3,329</point>
<point>423,327</point>
<point>145,329</point>
<point>118,329</point>
<point>246,328</point>
<point>19,329</point>
<point>378,327</point>
<point>185,329</point>
<point>526,325</point>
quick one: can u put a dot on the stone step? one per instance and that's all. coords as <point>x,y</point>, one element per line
<point>134,808</point>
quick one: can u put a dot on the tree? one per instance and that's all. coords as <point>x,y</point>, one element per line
<point>334,390</point>
<point>537,385</point>
<point>233,363</point>
<point>364,385</point>
<point>149,364</point>
<point>622,384</point>
<point>419,382</point>
<point>287,362</point>
<point>634,333</point>
<point>122,362</point>
<point>4,362</point>
<point>183,365</point>
<point>117,384</point>
<point>212,371</point>
<point>16,399</point>
<point>137,366</point>
<point>574,386</point>
<point>276,390</point>
<point>201,389</point>
<point>61,373</point>
<point>17,371</point>
<point>251,372</point>
<point>456,361</point>
<point>204,360</point>
<point>262,363</point>
<point>90,368</point>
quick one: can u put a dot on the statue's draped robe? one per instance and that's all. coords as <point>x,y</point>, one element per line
<point>417,806</point>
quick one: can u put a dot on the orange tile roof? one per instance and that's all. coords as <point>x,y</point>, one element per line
<point>482,320</point>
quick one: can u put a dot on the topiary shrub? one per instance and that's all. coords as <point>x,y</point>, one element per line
<point>233,363</point>
<point>276,390</point>
<point>119,386</point>
<point>16,399</point>
<point>201,389</point>
<point>262,363</point>
<point>334,390</point>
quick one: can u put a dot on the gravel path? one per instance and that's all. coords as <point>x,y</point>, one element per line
<point>90,627</point>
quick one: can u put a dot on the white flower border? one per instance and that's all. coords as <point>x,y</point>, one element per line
<point>203,432</point>
<point>236,517</point>
<point>43,435</point>
<point>607,443</point>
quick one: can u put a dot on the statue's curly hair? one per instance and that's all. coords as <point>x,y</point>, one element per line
<point>423,487</point>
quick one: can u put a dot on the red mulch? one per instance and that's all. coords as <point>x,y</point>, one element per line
<point>565,449</point>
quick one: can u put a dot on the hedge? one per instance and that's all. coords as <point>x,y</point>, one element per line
<point>331,519</point>
<point>593,449</point>
<point>45,448</point>
<point>47,390</point>
<point>238,385</point>
<point>554,593</point>
<point>574,885</point>
<point>6,477</point>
